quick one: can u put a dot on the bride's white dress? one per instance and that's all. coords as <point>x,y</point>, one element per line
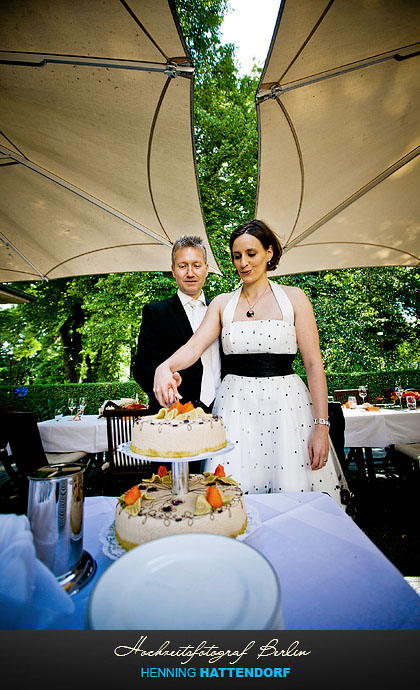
<point>269,419</point>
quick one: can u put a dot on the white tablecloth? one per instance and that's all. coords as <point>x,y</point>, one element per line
<point>331,575</point>
<point>380,429</point>
<point>66,436</point>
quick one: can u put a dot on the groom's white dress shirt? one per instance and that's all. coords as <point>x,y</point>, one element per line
<point>195,310</point>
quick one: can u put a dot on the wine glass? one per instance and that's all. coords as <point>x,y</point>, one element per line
<point>58,414</point>
<point>363,393</point>
<point>71,405</point>
<point>399,391</point>
<point>82,405</point>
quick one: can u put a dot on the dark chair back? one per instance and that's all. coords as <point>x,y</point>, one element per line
<point>342,395</point>
<point>22,434</point>
<point>337,427</point>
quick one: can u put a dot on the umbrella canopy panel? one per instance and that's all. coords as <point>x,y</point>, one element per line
<point>96,138</point>
<point>9,295</point>
<point>338,106</point>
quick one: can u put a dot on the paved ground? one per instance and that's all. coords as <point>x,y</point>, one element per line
<point>415,583</point>
<point>387,510</point>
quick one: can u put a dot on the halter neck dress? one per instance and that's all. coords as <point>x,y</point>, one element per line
<point>269,419</point>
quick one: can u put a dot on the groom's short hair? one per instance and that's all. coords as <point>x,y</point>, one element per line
<point>188,241</point>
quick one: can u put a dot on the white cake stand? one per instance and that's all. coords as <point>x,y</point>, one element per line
<point>179,466</point>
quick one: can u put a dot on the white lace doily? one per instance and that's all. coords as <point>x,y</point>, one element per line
<point>253,521</point>
<point>110,546</point>
<point>113,550</point>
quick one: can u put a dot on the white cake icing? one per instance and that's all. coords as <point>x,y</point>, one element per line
<point>170,434</point>
<point>159,513</point>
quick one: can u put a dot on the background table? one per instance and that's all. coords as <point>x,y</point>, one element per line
<point>331,575</point>
<point>383,428</point>
<point>66,436</point>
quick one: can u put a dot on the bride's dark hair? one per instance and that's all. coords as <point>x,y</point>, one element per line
<point>264,234</point>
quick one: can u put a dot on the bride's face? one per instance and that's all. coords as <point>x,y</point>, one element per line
<point>250,258</point>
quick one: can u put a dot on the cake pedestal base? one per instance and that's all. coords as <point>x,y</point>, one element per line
<point>180,466</point>
<point>180,473</point>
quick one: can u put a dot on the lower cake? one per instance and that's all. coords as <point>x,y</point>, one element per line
<point>180,431</point>
<point>214,504</point>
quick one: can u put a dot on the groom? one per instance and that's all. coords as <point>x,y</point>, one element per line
<point>167,325</point>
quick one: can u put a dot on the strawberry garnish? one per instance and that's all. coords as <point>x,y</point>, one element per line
<point>162,471</point>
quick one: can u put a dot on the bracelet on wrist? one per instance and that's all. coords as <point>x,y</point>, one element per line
<point>321,421</point>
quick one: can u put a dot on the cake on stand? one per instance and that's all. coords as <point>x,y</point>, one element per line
<point>179,465</point>
<point>179,487</point>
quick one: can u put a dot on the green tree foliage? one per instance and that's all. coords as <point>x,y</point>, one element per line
<point>45,334</point>
<point>226,138</point>
<point>352,306</point>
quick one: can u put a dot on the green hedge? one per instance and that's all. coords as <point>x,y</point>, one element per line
<point>374,380</point>
<point>44,399</point>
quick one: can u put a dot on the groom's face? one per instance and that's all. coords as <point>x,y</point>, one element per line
<point>190,271</point>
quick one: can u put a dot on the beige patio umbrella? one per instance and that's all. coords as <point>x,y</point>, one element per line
<point>339,120</point>
<point>10,295</point>
<point>97,167</point>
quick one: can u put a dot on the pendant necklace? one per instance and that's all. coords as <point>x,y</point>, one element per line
<point>250,313</point>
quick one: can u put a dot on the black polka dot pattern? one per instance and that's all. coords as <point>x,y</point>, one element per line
<point>270,419</point>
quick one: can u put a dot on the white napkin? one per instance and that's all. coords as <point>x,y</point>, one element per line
<point>30,596</point>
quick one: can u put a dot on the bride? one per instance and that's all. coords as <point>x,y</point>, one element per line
<point>279,429</point>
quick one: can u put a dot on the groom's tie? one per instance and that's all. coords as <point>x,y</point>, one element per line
<point>208,390</point>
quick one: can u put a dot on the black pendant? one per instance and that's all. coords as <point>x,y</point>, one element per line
<point>250,313</point>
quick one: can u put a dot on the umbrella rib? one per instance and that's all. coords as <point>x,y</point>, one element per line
<point>149,151</point>
<point>41,59</point>
<point>14,271</point>
<point>22,256</point>
<point>356,195</point>
<point>359,244</point>
<point>300,159</point>
<point>142,27</point>
<point>100,249</point>
<point>275,90</point>
<point>308,38</point>
<point>84,195</point>
<point>12,144</point>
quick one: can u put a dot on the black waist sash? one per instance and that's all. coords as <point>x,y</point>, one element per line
<point>258,364</point>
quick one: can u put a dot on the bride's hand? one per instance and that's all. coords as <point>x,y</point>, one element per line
<point>318,447</point>
<point>165,385</point>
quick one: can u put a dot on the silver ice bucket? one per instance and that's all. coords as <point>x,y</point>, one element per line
<point>55,512</point>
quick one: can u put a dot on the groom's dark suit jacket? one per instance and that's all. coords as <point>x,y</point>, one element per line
<point>164,328</point>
